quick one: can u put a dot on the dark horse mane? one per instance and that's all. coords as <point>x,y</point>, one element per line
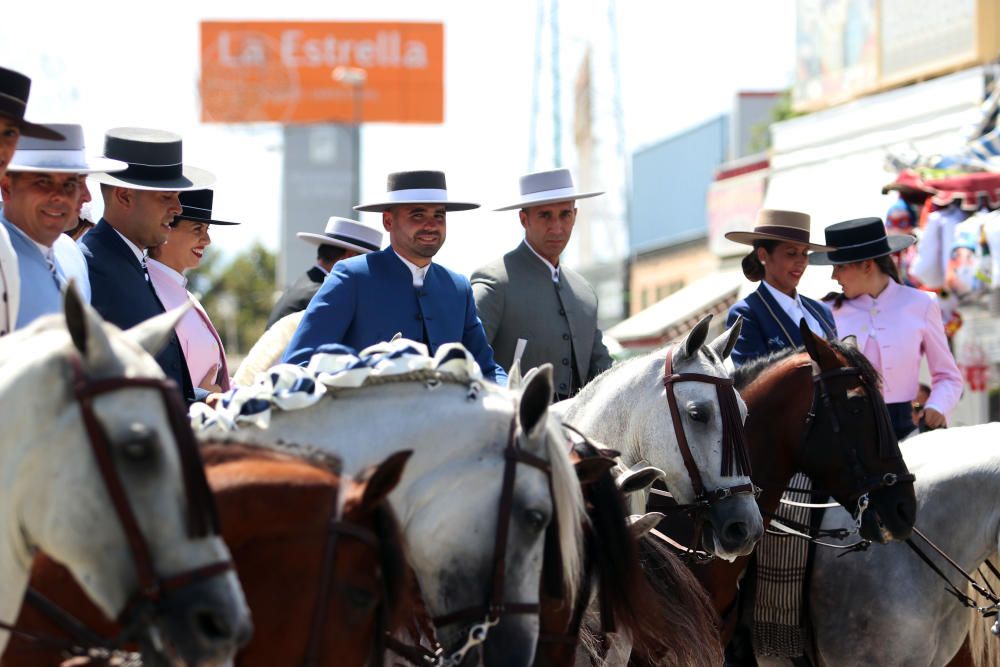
<point>673,622</point>
<point>218,452</point>
<point>747,373</point>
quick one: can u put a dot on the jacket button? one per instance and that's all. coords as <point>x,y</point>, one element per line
<point>565,336</point>
<point>565,362</point>
<point>562,311</point>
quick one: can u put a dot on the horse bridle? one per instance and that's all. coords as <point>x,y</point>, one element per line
<point>488,615</point>
<point>864,484</point>
<point>735,460</point>
<point>202,520</point>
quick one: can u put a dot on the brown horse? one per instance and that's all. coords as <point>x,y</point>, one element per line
<point>809,412</point>
<point>639,589</point>
<point>278,511</point>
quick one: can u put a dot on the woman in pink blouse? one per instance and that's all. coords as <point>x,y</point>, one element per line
<point>895,325</point>
<point>206,358</point>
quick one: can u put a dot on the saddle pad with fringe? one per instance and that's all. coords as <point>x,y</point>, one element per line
<point>778,624</point>
<point>333,367</point>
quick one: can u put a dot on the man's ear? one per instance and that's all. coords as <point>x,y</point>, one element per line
<point>387,220</point>
<point>123,196</point>
<point>523,216</point>
<point>5,186</point>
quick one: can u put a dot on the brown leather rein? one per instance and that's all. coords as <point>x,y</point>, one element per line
<point>487,615</point>
<point>202,520</point>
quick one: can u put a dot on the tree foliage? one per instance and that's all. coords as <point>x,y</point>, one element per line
<point>243,286</point>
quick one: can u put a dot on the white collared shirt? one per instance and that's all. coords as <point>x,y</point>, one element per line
<point>794,308</point>
<point>170,273</point>
<point>418,272</point>
<point>554,270</point>
<point>140,254</point>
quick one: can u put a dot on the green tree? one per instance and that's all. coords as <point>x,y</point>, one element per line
<point>237,295</point>
<point>760,134</point>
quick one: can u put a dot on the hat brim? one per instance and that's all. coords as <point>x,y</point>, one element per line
<point>208,221</point>
<point>747,238</point>
<point>95,165</point>
<point>385,206</point>
<point>322,239</point>
<point>896,243</point>
<point>192,178</point>
<point>542,201</point>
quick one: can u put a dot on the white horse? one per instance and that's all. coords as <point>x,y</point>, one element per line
<point>448,499</point>
<point>55,498</point>
<point>885,606</point>
<point>627,408</point>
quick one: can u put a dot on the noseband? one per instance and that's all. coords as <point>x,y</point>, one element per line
<point>735,460</point>
<point>862,483</point>
<point>202,520</point>
<point>488,615</point>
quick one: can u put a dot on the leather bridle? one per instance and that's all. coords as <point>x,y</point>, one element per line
<point>202,520</point>
<point>862,483</point>
<point>485,616</point>
<point>735,460</point>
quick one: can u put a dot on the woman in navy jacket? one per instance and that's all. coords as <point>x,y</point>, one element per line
<point>771,314</point>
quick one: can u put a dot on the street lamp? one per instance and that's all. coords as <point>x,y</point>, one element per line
<point>355,77</point>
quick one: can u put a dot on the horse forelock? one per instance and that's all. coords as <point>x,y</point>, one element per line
<point>570,511</point>
<point>852,356</point>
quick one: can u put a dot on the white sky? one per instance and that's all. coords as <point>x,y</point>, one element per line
<point>122,62</point>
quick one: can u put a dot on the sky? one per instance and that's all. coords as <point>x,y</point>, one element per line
<point>125,63</point>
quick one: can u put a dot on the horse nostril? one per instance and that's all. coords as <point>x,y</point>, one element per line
<point>212,626</point>
<point>735,532</point>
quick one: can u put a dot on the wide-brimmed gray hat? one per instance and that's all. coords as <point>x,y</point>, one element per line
<point>60,156</point>
<point>547,187</point>
<point>857,240</point>
<point>155,161</point>
<point>347,234</point>
<point>416,187</point>
<point>776,225</point>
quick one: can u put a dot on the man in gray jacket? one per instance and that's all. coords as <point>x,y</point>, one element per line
<point>527,295</point>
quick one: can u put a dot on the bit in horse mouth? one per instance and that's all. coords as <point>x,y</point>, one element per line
<point>883,532</point>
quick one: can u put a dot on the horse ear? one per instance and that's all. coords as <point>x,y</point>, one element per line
<point>86,330</point>
<point>724,344</point>
<point>384,478</point>
<point>817,348</point>
<point>640,524</point>
<point>590,469</point>
<point>850,341</point>
<point>697,336</point>
<point>536,397</point>
<point>514,375</point>
<point>638,479</point>
<point>154,334</point>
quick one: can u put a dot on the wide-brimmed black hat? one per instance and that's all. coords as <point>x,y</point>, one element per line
<point>155,161</point>
<point>416,187</point>
<point>14,89</point>
<point>196,205</point>
<point>858,240</point>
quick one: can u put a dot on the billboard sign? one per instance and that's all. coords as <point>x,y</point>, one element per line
<point>271,71</point>
<point>732,207</point>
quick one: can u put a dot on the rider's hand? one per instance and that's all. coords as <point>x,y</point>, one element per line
<point>208,383</point>
<point>934,419</point>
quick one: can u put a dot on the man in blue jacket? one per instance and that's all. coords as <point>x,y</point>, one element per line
<point>371,298</point>
<point>139,205</point>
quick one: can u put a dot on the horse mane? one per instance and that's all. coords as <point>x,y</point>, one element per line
<point>650,615</point>
<point>214,452</point>
<point>750,371</point>
<point>570,510</point>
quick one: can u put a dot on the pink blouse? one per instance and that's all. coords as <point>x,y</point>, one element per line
<point>894,330</point>
<point>199,340</point>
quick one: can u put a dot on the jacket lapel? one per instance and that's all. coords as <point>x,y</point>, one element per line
<point>787,330</point>
<point>107,234</point>
<point>828,331</point>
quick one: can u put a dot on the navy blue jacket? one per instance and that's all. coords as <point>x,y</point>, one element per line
<point>121,294</point>
<point>370,298</point>
<point>767,328</point>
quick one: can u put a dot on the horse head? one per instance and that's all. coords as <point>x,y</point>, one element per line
<point>104,478</point>
<point>861,465</point>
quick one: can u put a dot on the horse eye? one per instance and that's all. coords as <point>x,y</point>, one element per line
<point>536,519</point>
<point>360,598</point>
<point>697,413</point>
<point>139,444</point>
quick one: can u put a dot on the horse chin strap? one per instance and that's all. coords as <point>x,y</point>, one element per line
<point>485,616</point>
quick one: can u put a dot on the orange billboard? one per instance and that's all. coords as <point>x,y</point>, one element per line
<point>297,72</point>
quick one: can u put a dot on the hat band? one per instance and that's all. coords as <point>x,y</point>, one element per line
<point>16,100</point>
<point>51,159</point>
<point>790,233</point>
<point>551,194</point>
<point>855,252</point>
<point>147,172</point>
<point>352,241</point>
<point>417,194</point>
<point>197,208</point>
